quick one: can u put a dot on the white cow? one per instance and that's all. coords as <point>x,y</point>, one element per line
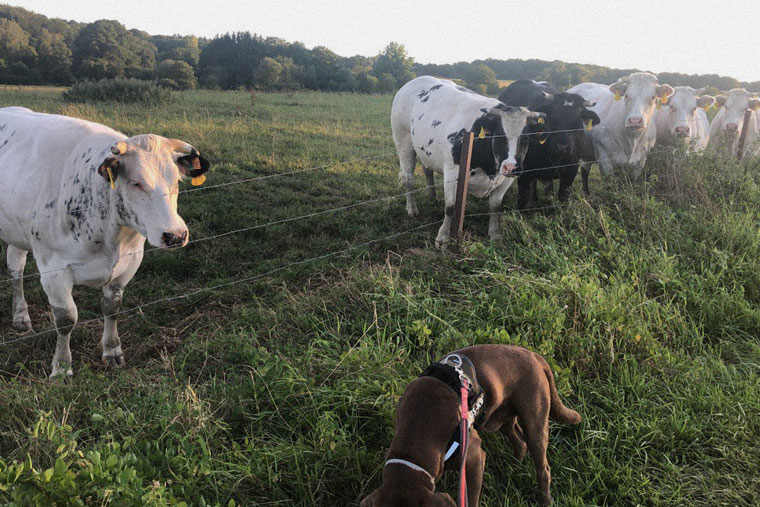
<point>684,117</point>
<point>429,117</point>
<point>83,198</point>
<point>726,127</point>
<point>626,133</point>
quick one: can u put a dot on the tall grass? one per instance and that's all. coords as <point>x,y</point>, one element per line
<point>644,298</point>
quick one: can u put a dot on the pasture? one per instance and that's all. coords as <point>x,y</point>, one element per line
<point>644,298</point>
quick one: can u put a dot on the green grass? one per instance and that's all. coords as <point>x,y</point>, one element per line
<point>644,298</point>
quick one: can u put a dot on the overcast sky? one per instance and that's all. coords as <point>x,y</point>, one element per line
<point>675,35</point>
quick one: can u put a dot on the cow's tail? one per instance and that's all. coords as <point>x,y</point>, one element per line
<point>558,411</point>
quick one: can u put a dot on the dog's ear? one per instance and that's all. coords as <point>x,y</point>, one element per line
<point>441,500</point>
<point>372,500</point>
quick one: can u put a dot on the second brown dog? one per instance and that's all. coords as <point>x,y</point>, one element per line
<point>518,386</point>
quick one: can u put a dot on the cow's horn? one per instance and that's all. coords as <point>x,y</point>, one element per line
<point>182,147</point>
<point>119,148</point>
<point>589,103</point>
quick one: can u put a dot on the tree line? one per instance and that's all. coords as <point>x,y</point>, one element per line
<point>35,49</point>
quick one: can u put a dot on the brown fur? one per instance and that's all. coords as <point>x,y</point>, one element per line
<point>519,386</point>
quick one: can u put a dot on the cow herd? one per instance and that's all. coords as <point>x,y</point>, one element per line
<point>534,132</point>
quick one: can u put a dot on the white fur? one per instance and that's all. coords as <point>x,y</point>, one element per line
<point>683,111</point>
<point>737,102</point>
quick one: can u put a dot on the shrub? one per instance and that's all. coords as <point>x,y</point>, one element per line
<point>127,91</point>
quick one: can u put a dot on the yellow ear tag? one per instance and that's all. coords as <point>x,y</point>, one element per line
<point>617,95</point>
<point>198,180</point>
<point>707,107</point>
<point>588,125</point>
<point>540,120</point>
<point>664,99</point>
<point>482,134</point>
<point>755,107</point>
<point>110,178</point>
<point>542,141</point>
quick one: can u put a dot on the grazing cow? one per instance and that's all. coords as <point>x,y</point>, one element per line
<point>429,118</point>
<point>626,132</point>
<point>83,198</point>
<point>726,127</point>
<point>558,156</point>
<point>684,117</point>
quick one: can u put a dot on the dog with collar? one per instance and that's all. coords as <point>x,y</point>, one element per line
<point>518,397</point>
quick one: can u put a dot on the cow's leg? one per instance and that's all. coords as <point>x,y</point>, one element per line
<point>494,207</point>
<point>111,305</point>
<point>585,170</point>
<point>525,186</point>
<point>533,189</point>
<point>565,181</point>
<point>476,462</point>
<point>58,289</point>
<point>16,263</point>
<point>549,188</point>
<point>430,183</point>
<point>450,197</point>
<point>408,159</point>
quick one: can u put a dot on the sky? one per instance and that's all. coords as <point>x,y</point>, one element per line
<point>673,36</point>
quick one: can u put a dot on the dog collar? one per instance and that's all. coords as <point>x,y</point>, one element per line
<point>411,465</point>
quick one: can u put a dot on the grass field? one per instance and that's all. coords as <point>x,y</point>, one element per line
<point>644,298</point>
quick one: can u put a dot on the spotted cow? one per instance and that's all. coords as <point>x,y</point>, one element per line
<point>83,198</point>
<point>429,118</point>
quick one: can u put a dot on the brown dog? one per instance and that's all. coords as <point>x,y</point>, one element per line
<point>518,385</point>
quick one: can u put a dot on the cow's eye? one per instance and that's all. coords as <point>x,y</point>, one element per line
<point>135,184</point>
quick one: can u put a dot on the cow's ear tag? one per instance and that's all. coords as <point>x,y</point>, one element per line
<point>110,178</point>
<point>707,107</point>
<point>617,95</point>
<point>540,120</point>
<point>542,141</point>
<point>482,134</point>
<point>664,99</point>
<point>756,107</point>
<point>588,125</point>
<point>198,180</point>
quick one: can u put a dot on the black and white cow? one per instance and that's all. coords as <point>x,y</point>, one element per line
<point>83,198</point>
<point>429,118</point>
<point>557,156</point>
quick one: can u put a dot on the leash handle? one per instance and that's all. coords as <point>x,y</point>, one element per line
<point>465,387</point>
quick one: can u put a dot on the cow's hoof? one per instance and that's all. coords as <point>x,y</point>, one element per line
<point>25,326</point>
<point>441,242</point>
<point>66,377</point>
<point>413,212</point>
<point>496,236</point>
<point>114,361</point>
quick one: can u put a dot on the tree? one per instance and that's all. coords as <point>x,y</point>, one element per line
<point>481,78</point>
<point>105,49</point>
<point>175,74</point>
<point>267,74</point>
<point>394,61</point>
<point>386,83</point>
<point>14,42</point>
<point>54,57</point>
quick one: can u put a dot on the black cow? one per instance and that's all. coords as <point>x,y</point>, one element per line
<point>558,157</point>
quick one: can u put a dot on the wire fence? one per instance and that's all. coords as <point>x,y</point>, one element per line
<point>255,277</point>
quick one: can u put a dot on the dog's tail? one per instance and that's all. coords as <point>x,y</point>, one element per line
<point>558,411</point>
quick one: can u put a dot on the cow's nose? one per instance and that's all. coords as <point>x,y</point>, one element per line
<point>682,131</point>
<point>732,127</point>
<point>635,121</point>
<point>507,168</point>
<point>174,239</point>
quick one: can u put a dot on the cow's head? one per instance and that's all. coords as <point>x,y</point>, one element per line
<point>566,118</point>
<point>507,124</point>
<point>144,173</point>
<point>735,103</point>
<point>640,91</point>
<point>681,112</point>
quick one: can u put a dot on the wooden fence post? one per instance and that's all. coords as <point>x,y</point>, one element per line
<point>465,157</point>
<point>743,138</point>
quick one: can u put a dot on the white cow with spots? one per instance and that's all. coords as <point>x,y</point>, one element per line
<point>83,198</point>
<point>429,118</point>
<point>627,131</point>
<point>726,127</point>
<point>684,117</point>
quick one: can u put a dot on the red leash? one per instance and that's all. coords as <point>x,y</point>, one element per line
<point>463,444</point>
